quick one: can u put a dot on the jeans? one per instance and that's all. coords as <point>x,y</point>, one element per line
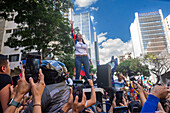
<point>78,63</point>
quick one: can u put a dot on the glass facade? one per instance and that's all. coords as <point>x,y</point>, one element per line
<point>152,32</point>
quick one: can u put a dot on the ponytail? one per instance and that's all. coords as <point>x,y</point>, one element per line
<point>83,41</point>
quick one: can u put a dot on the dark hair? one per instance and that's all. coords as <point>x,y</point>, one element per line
<point>82,39</point>
<point>135,104</point>
<point>3,60</point>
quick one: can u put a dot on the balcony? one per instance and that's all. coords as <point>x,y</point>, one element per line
<point>152,31</point>
<point>149,19</point>
<point>150,24</point>
<point>153,35</point>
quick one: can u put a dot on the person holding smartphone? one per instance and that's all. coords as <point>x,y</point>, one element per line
<point>82,54</point>
<point>120,83</point>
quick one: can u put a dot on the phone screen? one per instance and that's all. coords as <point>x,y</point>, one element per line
<point>77,89</point>
<point>119,95</point>
<point>32,66</point>
<point>120,109</point>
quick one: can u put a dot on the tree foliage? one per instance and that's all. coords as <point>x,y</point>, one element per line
<point>133,65</point>
<point>41,25</point>
<point>160,64</point>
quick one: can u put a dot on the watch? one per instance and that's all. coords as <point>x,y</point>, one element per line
<point>14,103</point>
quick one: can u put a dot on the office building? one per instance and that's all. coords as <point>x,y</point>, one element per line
<point>148,33</point>
<point>167,23</point>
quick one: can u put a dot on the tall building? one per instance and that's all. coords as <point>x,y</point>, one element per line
<point>167,23</point>
<point>148,33</point>
<point>84,23</point>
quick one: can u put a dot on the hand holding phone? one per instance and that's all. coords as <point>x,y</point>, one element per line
<point>77,89</point>
<point>119,97</point>
<point>33,63</point>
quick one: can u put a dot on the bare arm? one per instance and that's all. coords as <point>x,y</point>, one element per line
<point>160,107</point>
<point>141,94</point>
<point>5,96</point>
<point>93,95</point>
<point>37,91</point>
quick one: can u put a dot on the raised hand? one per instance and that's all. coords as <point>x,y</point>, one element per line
<point>37,88</point>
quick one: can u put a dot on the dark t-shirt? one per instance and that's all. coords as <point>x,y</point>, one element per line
<point>4,80</point>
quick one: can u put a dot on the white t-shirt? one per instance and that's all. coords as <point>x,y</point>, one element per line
<point>82,49</point>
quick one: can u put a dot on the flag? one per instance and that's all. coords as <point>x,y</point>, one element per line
<point>132,90</point>
<point>82,71</point>
<point>149,83</point>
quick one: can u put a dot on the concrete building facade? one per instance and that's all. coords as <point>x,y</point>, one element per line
<point>7,28</point>
<point>148,33</point>
<point>167,23</point>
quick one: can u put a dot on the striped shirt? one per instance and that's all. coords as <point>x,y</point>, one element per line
<point>119,84</point>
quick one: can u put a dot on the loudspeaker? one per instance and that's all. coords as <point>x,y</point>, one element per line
<point>104,76</point>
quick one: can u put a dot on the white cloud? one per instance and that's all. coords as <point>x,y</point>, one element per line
<point>101,37</point>
<point>78,8</point>
<point>102,34</point>
<point>84,3</point>
<point>93,8</point>
<point>92,18</point>
<point>94,28</point>
<point>95,23</point>
<point>112,47</point>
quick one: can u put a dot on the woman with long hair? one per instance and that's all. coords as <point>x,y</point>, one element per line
<point>82,54</point>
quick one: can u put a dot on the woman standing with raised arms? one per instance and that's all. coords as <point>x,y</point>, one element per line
<point>82,54</point>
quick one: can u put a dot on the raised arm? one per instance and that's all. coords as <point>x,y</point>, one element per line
<point>72,31</point>
<point>93,95</point>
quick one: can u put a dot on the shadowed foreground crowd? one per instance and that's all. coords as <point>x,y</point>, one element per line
<point>58,98</point>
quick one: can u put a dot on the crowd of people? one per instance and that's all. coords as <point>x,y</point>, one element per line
<point>127,96</point>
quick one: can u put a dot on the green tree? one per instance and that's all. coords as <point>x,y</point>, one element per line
<point>123,67</point>
<point>68,60</point>
<point>133,65</point>
<point>40,22</point>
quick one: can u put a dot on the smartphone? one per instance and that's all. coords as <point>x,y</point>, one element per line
<point>33,62</point>
<point>15,79</point>
<point>77,89</point>
<point>119,95</point>
<point>120,109</point>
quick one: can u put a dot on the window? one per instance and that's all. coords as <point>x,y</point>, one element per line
<point>15,30</point>
<point>8,31</point>
<point>14,58</point>
<point>10,19</point>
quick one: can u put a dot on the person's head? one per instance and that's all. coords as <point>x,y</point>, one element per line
<point>135,107</point>
<point>79,37</point>
<point>4,65</point>
<point>119,76</point>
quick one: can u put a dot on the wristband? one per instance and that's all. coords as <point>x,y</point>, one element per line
<point>14,103</point>
<point>36,105</point>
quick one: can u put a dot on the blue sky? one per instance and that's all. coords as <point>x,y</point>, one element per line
<point>112,18</point>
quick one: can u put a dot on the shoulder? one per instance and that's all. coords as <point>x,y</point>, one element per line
<point>4,80</point>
